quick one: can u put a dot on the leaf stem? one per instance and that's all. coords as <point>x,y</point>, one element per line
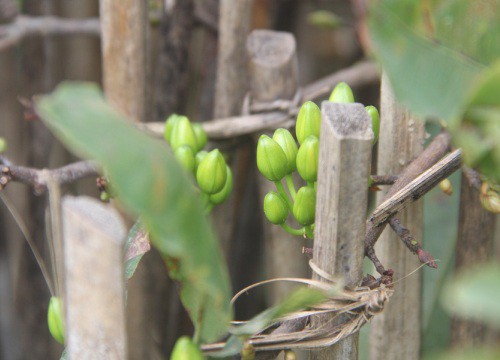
<point>290,186</point>
<point>309,231</point>
<point>289,229</point>
<point>282,192</point>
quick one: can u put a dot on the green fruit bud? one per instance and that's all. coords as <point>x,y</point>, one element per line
<point>186,349</point>
<point>199,156</point>
<point>222,195</point>
<point>275,208</point>
<point>373,112</point>
<point>342,93</point>
<point>55,319</point>
<point>290,355</point>
<point>271,159</point>
<point>307,159</point>
<point>183,134</point>
<point>184,154</point>
<point>285,139</point>
<point>3,145</point>
<point>104,196</point>
<point>211,173</point>
<point>304,208</point>
<point>169,126</point>
<point>201,136</point>
<point>446,187</point>
<point>308,121</point>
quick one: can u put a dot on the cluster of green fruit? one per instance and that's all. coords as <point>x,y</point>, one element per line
<point>279,157</point>
<point>213,175</point>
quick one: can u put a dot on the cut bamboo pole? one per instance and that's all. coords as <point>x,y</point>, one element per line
<point>395,334</point>
<point>273,75</point>
<point>342,199</point>
<point>230,89</point>
<point>475,245</point>
<point>231,82</point>
<point>123,26</point>
<point>94,236</point>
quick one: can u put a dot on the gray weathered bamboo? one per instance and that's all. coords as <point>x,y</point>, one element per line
<point>123,27</point>
<point>395,333</point>
<point>94,236</point>
<point>273,73</point>
<point>231,83</point>
<point>475,245</point>
<point>342,199</point>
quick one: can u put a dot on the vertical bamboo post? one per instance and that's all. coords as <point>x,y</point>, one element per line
<point>230,89</point>
<point>123,26</point>
<point>395,334</point>
<point>342,199</point>
<point>231,82</point>
<point>475,244</point>
<point>273,74</point>
<point>94,236</point>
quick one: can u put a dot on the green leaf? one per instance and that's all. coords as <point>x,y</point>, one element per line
<point>302,298</point>
<point>429,78</point>
<point>136,246</point>
<point>474,294</point>
<point>479,130</point>
<point>150,183</point>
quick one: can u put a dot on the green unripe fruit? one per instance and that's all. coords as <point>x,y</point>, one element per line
<point>55,319</point>
<point>211,173</point>
<point>200,135</point>
<point>342,93</point>
<point>222,195</point>
<point>307,159</point>
<point>199,156</point>
<point>308,121</point>
<point>104,196</point>
<point>186,349</point>
<point>304,208</point>
<point>271,159</point>
<point>275,208</point>
<point>373,112</point>
<point>183,134</point>
<point>285,139</point>
<point>169,126</point>
<point>184,154</point>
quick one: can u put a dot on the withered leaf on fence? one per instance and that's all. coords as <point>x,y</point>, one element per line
<point>136,246</point>
<point>151,184</point>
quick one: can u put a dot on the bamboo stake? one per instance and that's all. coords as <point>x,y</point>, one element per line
<point>475,244</point>
<point>231,83</point>
<point>273,75</point>
<point>342,198</point>
<point>94,236</point>
<point>123,26</point>
<point>395,334</point>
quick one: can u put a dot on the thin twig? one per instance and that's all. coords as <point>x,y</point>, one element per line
<point>383,180</point>
<point>412,244</point>
<point>279,113</point>
<point>37,178</point>
<point>421,167</point>
<point>24,26</point>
